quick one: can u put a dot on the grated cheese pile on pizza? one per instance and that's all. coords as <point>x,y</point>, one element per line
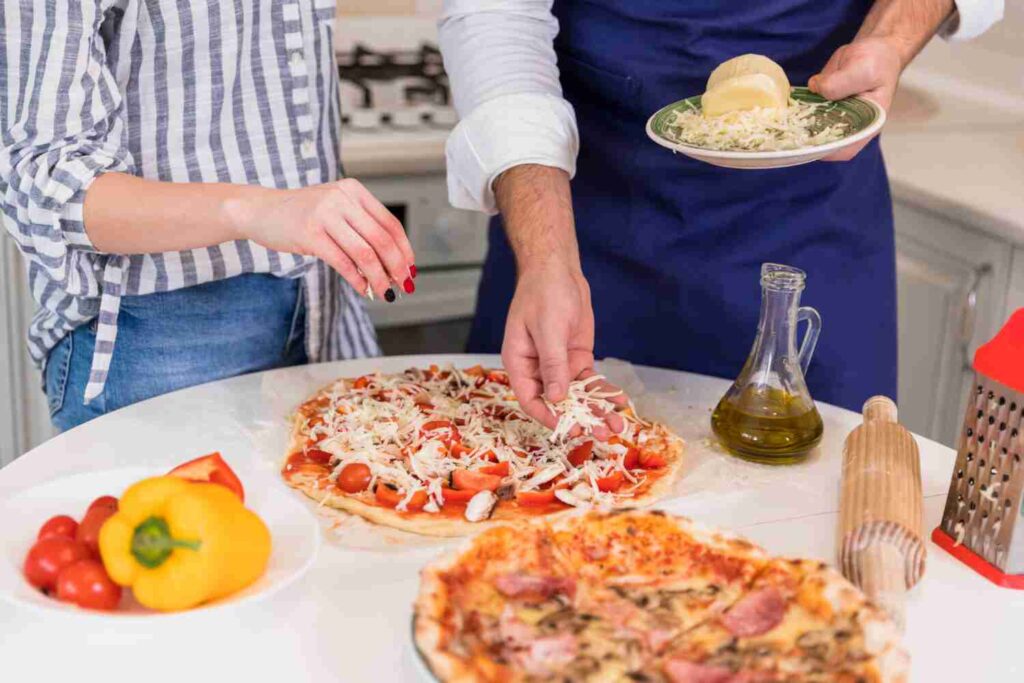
<point>632,596</point>
<point>441,450</point>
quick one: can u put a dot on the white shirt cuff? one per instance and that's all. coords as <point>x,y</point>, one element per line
<point>971,18</point>
<point>522,128</point>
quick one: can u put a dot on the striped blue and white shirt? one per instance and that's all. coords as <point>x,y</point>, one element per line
<point>238,91</point>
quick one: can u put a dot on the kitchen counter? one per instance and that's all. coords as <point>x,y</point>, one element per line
<point>961,156</point>
<point>349,616</point>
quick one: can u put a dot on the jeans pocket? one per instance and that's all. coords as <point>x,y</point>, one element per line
<point>58,367</point>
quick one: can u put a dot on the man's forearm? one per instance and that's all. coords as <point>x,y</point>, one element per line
<point>910,24</point>
<point>536,207</point>
<point>129,215</point>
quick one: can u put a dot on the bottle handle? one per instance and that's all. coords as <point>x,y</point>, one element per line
<point>813,319</point>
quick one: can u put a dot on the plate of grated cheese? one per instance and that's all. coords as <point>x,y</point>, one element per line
<point>809,128</point>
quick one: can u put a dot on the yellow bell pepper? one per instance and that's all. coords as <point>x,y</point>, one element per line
<point>178,543</point>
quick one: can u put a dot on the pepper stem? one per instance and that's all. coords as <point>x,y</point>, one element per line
<point>152,542</point>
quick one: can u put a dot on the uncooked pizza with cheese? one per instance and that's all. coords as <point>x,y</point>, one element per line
<point>440,451</point>
<point>643,596</point>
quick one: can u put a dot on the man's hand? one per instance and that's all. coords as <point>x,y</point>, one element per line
<point>893,32</point>
<point>870,68</point>
<point>549,333</point>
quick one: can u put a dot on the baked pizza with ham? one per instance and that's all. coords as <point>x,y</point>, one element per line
<point>643,596</point>
<point>442,451</point>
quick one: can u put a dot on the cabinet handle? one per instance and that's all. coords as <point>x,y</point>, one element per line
<point>970,314</point>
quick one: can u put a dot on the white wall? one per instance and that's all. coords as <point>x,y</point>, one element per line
<point>993,61</point>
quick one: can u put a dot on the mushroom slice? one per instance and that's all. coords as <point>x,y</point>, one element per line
<point>480,506</point>
<point>569,498</point>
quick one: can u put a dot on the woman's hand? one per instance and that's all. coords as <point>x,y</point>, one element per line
<point>340,223</point>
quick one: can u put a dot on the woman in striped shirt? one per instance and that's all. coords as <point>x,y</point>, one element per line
<point>169,171</point>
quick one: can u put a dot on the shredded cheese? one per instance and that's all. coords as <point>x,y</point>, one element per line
<point>585,405</point>
<point>415,429</point>
<point>762,129</point>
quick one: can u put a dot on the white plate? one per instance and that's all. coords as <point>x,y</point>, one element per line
<point>295,538</point>
<point>865,118</point>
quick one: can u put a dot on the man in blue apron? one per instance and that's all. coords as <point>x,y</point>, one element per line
<point>671,248</point>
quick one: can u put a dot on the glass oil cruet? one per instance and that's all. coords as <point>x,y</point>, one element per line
<point>767,415</point>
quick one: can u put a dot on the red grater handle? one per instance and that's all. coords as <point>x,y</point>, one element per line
<point>1002,357</point>
<point>976,562</point>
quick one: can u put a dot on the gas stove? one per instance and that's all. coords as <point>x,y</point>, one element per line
<point>394,89</point>
<point>396,116</point>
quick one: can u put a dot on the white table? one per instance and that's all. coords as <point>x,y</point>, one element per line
<point>348,617</point>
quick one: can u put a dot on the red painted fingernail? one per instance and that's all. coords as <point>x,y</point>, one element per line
<point>408,286</point>
<point>412,270</point>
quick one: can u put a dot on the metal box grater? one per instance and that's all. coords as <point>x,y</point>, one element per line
<point>983,521</point>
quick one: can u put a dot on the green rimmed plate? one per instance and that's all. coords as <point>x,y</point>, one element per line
<point>864,118</point>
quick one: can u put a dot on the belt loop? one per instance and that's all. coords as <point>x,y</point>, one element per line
<point>106,331</point>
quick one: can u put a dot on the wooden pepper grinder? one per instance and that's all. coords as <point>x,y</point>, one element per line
<point>881,548</point>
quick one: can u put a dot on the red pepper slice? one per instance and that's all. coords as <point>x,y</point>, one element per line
<point>210,468</point>
<point>580,454</point>
<point>318,456</point>
<point>650,461</point>
<point>613,482</point>
<point>468,480</point>
<point>500,469</point>
<point>390,497</point>
<point>632,459</point>
<point>537,498</point>
<point>456,495</point>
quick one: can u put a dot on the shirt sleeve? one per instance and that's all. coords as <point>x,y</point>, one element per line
<point>61,128</point>
<point>971,18</point>
<point>501,63</point>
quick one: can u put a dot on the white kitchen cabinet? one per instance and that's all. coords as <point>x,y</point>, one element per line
<point>952,290</point>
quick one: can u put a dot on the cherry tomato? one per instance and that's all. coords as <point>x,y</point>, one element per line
<point>48,557</point>
<point>475,481</point>
<point>632,459</point>
<point>317,455</point>
<point>88,533</point>
<point>361,382</point>
<point>213,469</point>
<point>103,502</point>
<point>61,525</point>
<point>610,483</point>
<point>390,497</point>
<point>581,453</point>
<point>354,477</point>
<point>500,469</point>
<point>85,583</point>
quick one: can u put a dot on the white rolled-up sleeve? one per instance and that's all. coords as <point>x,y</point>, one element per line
<point>500,59</point>
<point>971,18</point>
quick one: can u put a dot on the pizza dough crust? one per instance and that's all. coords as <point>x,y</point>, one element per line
<point>437,524</point>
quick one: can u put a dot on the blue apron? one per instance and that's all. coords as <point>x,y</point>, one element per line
<point>672,247</point>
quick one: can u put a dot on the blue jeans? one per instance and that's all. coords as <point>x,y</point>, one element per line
<point>178,339</point>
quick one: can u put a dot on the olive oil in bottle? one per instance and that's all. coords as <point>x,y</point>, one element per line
<point>767,415</point>
<point>767,425</point>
